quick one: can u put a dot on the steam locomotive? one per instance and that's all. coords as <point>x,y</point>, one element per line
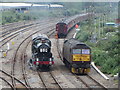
<point>41,52</point>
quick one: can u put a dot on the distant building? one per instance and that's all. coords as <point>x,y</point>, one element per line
<point>55,6</point>
<point>23,7</point>
<point>112,24</point>
<point>22,10</point>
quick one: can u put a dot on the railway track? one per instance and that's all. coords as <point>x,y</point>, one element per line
<point>87,80</point>
<point>5,33</point>
<point>9,28</point>
<point>23,58</point>
<point>15,34</point>
<point>10,76</point>
<point>12,27</point>
<point>23,55</point>
<point>7,83</point>
<point>49,33</point>
<point>48,79</point>
<point>90,82</point>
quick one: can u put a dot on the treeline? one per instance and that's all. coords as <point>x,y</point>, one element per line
<point>72,8</point>
<point>106,53</point>
<point>104,40</point>
<point>69,9</point>
<point>32,14</point>
<point>12,16</point>
<point>105,49</point>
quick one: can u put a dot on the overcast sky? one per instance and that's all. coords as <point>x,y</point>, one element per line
<point>59,0</point>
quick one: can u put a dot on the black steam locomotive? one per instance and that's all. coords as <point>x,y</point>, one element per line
<point>77,56</point>
<point>41,52</point>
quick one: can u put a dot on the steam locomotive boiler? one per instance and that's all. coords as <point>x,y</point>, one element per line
<point>41,52</point>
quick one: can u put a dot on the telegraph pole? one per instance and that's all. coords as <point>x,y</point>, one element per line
<point>102,24</point>
<point>99,28</point>
<point>119,81</point>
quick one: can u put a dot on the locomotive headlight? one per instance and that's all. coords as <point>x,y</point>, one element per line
<point>50,63</point>
<point>50,59</point>
<point>41,50</point>
<point>37,59</point>
<point>37,63</point>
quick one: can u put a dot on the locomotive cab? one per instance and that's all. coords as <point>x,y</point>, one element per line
<point>77,56</point>
<point>81,58</point>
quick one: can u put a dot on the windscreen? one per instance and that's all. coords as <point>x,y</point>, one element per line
<point>81,51</point>
<point>85,51</point>
<point>76,51</point>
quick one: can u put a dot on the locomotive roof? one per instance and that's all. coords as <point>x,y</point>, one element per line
<point>37,36</point>
<point>75,42</point>
<point>73,17</point>
<point>70,19</point>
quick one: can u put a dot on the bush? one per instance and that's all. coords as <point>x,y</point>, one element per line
<point>109,29</point>
<point>105,52</point>
<point>83,36</point>
<point>12,16</point>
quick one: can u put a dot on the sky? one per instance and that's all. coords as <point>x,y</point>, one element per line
<point>59,0</point>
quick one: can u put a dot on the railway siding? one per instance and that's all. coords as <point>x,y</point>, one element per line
<point>63,82</point>
<point>58,77</point>
<point>90,83</point>
<point>18,74</point>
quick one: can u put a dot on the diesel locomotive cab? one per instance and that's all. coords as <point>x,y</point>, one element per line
<point>81,58</point>
<point>77,56</point>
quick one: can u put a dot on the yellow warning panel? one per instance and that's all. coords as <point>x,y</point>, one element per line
<point>85,57</point>
<point>76,57</point>
<point>80,57</point>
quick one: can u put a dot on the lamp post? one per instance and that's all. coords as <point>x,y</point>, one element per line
<point>119,81</point>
